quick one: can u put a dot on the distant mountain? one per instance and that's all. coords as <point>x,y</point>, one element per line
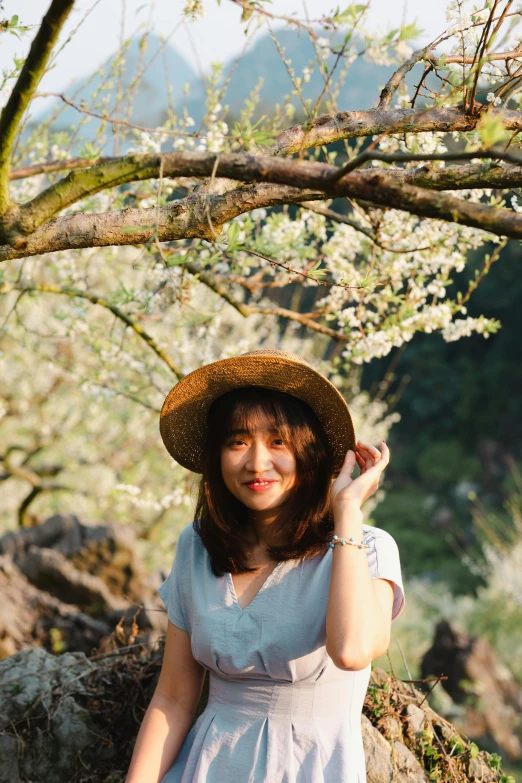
<point>359,90</point>
<point>150,97</point>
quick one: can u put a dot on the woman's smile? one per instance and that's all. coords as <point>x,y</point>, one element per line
<point>260,485</point>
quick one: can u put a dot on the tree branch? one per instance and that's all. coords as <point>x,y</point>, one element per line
<point>7,287</point>
<point>492,153</point>
<point>336,217</point>
<point>476,176</point>
<point>394,82</point>
<point>248,309</point>
<point>26,84</point>
<point>304,180</point>
<point>235,166</point>
<point>328,128</point>
<point>183,219</point>
<point>49,167</point>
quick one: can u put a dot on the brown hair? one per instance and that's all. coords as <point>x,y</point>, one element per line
<point>305,518</point>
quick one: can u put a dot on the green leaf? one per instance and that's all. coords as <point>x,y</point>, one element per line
<point>14,21</point>
<point>491,128</point>
<point>409,31</point>
<point>473,750</point>
<point>349,15</point>
<point>495,761</point>
<point>233,233</point>
<point>178,260</point>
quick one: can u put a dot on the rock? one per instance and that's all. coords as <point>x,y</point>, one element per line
<point>408,768</point>
<point>28,678</point>
<point>489,705</point>
<point>386,766</point>
<point>377,750</point>
<point>65,718</point>
<point>9,768</point>
<point>72,586</point>
<point>416,718</point>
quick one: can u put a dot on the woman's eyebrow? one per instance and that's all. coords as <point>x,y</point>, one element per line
<point>243,431</point>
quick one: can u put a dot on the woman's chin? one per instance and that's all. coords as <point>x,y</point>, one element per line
<point>260,502</point>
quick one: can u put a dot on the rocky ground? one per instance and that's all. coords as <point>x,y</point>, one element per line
<point>71,719</point>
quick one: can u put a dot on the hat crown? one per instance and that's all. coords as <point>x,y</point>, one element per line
<point>274,352</point>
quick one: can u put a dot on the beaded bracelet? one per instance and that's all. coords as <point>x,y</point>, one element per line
<point>336,540</point>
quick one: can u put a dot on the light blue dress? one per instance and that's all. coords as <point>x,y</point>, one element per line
<point>279,710</point>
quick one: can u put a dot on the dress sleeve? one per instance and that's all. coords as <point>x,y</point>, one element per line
<point>169,591</point>
<point>384,563</point>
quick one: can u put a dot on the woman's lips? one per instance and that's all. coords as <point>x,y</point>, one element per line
<point>260,486</point>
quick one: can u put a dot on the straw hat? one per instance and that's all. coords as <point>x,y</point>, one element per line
<point>183,417</point>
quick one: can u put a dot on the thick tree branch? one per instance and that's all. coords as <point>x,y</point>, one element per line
<point>203,215</point>
<point>328,128</point>
<point>476,176</point>
<point>239,167</point>
<point>81,183</point>
<point>7,287</point>
<point>463,177</point>
<point>184,219</point>
<point>26,84</point>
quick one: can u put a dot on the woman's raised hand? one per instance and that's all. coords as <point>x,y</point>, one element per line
<point>371,462</point>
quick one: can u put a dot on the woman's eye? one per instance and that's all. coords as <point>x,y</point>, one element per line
<point>279,441</point>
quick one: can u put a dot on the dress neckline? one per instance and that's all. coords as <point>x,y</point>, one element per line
<point>265,584</point>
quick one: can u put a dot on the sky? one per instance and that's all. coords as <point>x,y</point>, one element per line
<point>216,38</point>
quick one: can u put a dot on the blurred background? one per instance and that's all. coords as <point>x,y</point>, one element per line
<point>91,504</point>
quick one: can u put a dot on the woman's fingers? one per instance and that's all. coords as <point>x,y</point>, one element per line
<point>367,447</point>
<point>367,456</point>
<point>360,461</point>
<point>370,454</point>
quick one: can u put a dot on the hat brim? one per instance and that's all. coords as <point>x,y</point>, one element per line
<point>183,417</point>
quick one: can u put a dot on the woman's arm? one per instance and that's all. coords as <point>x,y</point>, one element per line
<point>170,712</point>
<point>359,612</point>
<point>358,618</point>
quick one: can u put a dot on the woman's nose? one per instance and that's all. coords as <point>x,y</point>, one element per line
<point>258,457</point>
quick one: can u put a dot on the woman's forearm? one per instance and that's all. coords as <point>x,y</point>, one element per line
<point>161,735</point>
<point>354,621</point>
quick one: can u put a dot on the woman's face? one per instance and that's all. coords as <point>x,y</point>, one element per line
<point>258,468</point>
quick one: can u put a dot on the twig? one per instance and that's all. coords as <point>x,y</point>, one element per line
<point>441,677</point>
<point>406,665</point>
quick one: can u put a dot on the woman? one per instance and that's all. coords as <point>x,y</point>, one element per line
<point>277,588</point>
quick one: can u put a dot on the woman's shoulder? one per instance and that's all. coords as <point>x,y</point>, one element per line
<point>187,536</point>
<point>372,533</point>
<point>189,543</point>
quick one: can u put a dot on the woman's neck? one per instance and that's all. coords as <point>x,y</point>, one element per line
<point>262,531</point>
